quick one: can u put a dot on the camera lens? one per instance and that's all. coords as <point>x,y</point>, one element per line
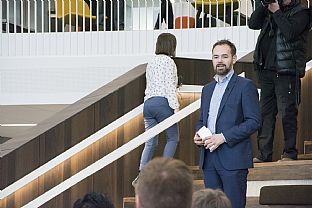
<point>266,2</point>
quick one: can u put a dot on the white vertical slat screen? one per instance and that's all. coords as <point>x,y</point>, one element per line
<point>69,28</point>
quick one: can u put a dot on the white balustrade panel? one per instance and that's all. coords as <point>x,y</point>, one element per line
<point>78,28</point>
<point>194,43</point>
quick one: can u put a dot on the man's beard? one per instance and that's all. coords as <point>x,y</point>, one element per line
<point>222,69</point>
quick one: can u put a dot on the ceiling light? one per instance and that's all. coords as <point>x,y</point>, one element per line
<point>18,125</point>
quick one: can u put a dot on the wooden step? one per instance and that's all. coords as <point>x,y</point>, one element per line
<point>305,156</point>
<point>285,170</point>
<point>197,172</point>
<point>129,202</point>
<point>307,147</point>
<point>292,170</point>
<point>251,202</point>
<point>198,185</point>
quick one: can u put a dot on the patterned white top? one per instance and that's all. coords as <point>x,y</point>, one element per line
<point>162,80</point>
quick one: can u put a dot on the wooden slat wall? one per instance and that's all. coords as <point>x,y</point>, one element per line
<point>116,178</point>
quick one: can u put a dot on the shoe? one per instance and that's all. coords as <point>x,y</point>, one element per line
<point>285,158</point>
<point>257,160</point>
<point>135,181</point>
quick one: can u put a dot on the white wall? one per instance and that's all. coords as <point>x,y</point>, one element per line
<point>58,80</point>
<point>69,75</point>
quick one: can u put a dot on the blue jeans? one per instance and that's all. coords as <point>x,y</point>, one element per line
<point>156,109</point>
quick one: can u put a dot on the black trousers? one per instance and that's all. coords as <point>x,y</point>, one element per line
<point>163,15</point>
<point>278,94</point>
<point>115,19</point>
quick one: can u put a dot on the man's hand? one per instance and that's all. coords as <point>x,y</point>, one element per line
<point>198,141</point>
<point>273,7</point>
<point>214,141</point>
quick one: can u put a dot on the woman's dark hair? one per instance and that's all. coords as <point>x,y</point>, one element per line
<point>166,44</point>
<point>94,200</point>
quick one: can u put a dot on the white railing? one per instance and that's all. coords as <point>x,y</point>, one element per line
<point>89,141</point>
<point>74,28</point>
<point>88,27</point>
<point>70,152</point>
<point>45,16</point>
<point>113,156</point>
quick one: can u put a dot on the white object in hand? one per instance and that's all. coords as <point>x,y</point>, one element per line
<point>204,132</point>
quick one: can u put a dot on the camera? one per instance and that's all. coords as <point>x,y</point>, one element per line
<point>266,2</point>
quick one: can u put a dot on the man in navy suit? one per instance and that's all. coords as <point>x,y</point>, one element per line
<point>230,110</point>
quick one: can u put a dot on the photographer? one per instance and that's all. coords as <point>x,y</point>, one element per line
<point>280,62</point>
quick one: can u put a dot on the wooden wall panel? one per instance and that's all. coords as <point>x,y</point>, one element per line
<point>51,179</point>
<point>52,143</point>
<point>187,150</point>
<point>131,161</point>
<point>305,112</point>
<point>105,180</point>
<point>81,125</point>
<point>5,170</point>
<point>23,159</point>
<point>106,108</point>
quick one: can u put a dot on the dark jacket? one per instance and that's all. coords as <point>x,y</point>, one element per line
<point>238,118</point>
<point>288,28</point>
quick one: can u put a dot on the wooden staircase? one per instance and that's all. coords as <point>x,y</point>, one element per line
<point>260,175</point>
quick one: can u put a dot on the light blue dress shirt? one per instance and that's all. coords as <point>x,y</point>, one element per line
<point>216,98</point>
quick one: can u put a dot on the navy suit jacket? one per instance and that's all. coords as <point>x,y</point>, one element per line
<point>238,118</point>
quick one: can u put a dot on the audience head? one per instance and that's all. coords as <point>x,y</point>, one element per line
<point>209,198</point>
<point>166,44</point>
<point>164,183</point>
<point>94,200</point>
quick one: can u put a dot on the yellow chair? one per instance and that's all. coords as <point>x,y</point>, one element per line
<point>69,8</point>
<point>214,4</point>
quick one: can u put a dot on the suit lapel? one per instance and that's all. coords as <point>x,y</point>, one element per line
<point>207,100</point>
<point>227,93</point>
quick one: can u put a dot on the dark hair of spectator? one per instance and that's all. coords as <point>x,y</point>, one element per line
<point>166,44</point>
<point>226,42</point>
<point>94,200</point>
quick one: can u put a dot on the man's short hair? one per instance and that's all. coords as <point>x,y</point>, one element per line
<point>166,44</point>
<point>165,183</point>
<point>226,42</point>
<point>209,198</point>
<point>94,200</point>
